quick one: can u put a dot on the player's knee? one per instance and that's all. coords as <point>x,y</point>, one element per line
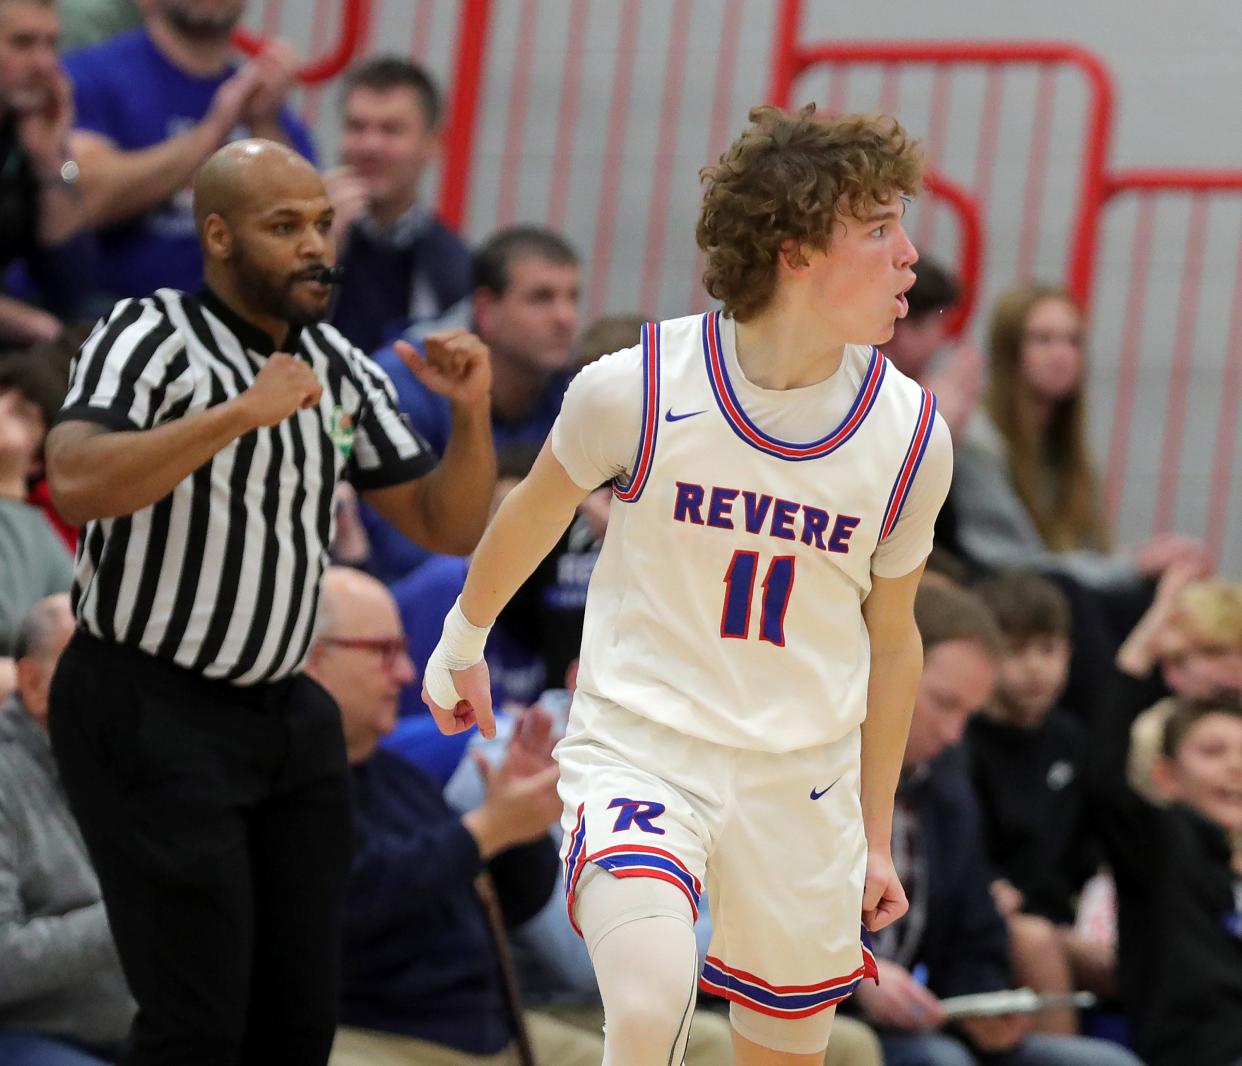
<point>658,996</point>
<point>648,1011</point>
<point>792,1036</point>
<point>648,1021</point>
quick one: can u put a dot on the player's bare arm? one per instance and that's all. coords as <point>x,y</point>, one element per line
<point>896,663</point>
<point>526,527</point>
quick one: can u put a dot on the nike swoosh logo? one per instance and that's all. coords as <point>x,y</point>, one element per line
<point>670,417</point>
<point>815,795</point>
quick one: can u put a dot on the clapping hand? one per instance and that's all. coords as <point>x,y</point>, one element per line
<point>44,129</point>
<point>275,68</point>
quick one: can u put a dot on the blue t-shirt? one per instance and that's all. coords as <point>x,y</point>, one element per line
<point>126,90</point>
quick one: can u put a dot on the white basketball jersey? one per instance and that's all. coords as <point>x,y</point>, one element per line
<point>726,602</point>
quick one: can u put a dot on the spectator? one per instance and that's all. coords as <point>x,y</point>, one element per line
<point>1177,873</point>
<point>1171,821</point>
<point>402,264</point>
<point>1025,493</point>
<point>42,372</point>
<point>41,214</point>
<point>1024,485</point>
<point>86,22</point>
<point>606,335</point>
<point>953,941</point>
<point>525,308</point>
<point>1192,633</point>
<point>152,106</point>
<point>33,560</point>
<point>920,337</point>
<point>63,998</point>
<point>424,976</point>
<point>1028,763</point>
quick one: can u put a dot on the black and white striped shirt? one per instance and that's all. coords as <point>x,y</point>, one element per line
<point>222,575</point>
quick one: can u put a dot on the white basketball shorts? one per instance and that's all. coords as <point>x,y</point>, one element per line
<point>776,838</point>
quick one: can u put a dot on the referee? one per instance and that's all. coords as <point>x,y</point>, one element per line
<point>199,447</point>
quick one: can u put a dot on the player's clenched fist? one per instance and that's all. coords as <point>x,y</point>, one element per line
<point>284,385</point>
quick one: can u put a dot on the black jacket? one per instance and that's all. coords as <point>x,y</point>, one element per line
<point>1033,794</point>
<point>1180,907</point>
<point>419,956</point>
<point>965,945</point>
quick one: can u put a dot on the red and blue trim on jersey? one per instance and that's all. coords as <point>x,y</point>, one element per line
<point>640,470</point>
<point>740,423</point>
<point>782,1001</point>
<point>910,465</point>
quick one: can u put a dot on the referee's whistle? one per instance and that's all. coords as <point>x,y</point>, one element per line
<point>329,275</point>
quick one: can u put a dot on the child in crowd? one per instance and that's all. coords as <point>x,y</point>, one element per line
<point>1027,759</point>
<point>1178,862</point>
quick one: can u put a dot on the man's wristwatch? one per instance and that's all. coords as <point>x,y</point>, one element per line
<point>66,174</point>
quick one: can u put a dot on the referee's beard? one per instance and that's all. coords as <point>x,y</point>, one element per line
<point>283,296</point>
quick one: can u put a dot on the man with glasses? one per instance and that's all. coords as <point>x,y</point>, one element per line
<point>427,979</point>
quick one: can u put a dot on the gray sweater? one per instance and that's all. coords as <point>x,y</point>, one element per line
<point>34,563</point>
<point>994,527</point>
<point>59,973</point>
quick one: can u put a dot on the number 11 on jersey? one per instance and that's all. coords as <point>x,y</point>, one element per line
<point>739,583</point>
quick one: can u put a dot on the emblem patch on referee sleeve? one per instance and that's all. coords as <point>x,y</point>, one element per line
<point>342,431</point>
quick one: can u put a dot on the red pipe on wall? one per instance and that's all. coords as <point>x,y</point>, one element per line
<point>1179,379</point>
<point>970,225</point>
<point>351,40</point>
<point>1128,359</point>
<point>567,119</point>
<point>790,58</point>
<point>1227,425</point>
<point>465,92</point>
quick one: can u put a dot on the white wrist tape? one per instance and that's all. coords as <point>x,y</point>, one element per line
<point>461,646</point>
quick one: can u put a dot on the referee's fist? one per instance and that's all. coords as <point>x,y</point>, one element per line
<point>284,385</point>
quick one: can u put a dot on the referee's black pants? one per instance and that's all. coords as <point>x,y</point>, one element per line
<point>218,821</point>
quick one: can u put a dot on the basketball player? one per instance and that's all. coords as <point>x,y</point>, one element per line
<point>750,656</point>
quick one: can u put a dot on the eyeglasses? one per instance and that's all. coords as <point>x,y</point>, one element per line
<point>389,649</point>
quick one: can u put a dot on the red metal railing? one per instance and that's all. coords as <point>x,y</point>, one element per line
<point>791,59</point>
<point>1199,184</point>
<point>1098,186</point>
<point>970,226</point>
<point>464,95</point>
<point>354,25</point>
<point>353,32</point>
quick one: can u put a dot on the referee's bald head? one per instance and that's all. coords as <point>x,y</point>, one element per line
<point>265,225</point>
<point>247,175</point>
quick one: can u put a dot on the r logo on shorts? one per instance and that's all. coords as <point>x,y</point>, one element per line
<point>637,812</point>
